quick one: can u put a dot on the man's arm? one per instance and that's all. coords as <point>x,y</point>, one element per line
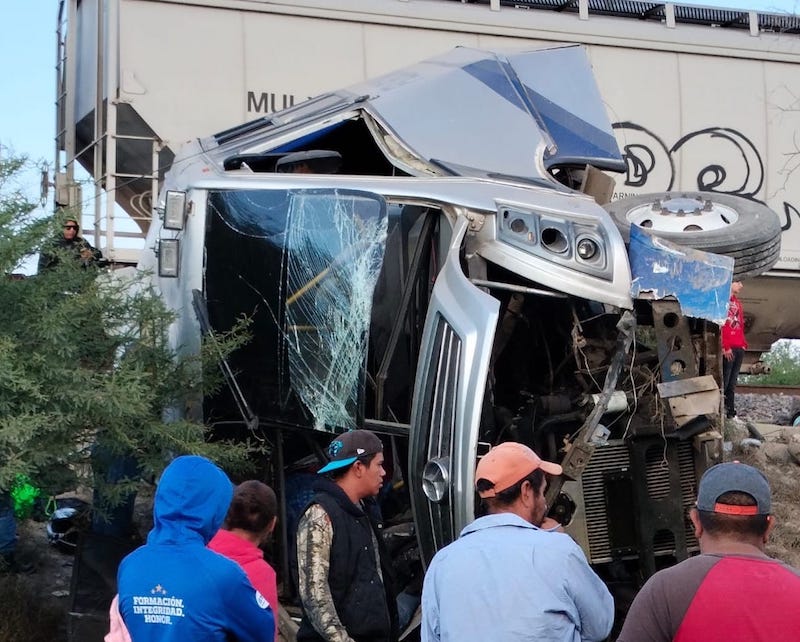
<point>591,597</point>
<point>314,539</point>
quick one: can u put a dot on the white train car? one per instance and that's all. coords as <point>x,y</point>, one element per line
<point>700,98</point>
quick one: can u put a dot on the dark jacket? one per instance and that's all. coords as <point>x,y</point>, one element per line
<point>78,248</point>
<point>364,603</point>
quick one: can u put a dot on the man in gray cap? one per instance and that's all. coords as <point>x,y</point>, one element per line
<point>343,572</point>
<point>732,590</point>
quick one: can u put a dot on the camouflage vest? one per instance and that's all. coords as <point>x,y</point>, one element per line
<point>355,583</point>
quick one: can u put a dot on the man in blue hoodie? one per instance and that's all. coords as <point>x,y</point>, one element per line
<point>174,588</point>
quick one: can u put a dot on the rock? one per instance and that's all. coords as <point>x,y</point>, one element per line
<point>776,453</point>
<point>735,430</point>
<point>772,409</point>
<point>790,435</point>
<point>794,451</point>
<point>753,430</point>
<point>750,454</point>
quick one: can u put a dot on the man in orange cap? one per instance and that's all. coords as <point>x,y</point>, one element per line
<point>506,578</point>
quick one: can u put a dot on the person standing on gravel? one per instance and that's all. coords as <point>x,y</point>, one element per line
<point>733,346</point>
<point>732,590</point>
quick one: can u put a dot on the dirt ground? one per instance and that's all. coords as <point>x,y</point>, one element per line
<point>785,481</point>
<point>52,567</point>
<point>45,582</point>
<point>785,541</point>
<point>34,604</point>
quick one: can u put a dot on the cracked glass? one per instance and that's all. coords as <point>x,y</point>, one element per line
<point>304,265</point>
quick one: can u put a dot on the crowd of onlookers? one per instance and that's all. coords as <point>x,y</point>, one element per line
<point>513,574</point>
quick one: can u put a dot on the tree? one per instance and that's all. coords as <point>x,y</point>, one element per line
<point>85,360</point>
<point>783,359</point>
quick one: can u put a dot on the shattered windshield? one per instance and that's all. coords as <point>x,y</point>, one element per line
<point>304,264</point>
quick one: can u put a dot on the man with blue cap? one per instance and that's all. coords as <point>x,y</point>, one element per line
<point>343,572</point>
<point>731,591</point>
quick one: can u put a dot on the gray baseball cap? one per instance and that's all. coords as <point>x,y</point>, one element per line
<point>734,477</point>
<point>349,446</point>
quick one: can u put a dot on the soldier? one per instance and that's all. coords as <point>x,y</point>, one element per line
<point>71,243</point>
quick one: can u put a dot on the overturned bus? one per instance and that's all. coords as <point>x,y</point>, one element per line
<point>424,255</point>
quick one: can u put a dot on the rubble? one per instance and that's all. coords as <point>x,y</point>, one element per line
<point>776,453</point>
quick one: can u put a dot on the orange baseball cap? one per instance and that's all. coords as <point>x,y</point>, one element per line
<point>507,463</point>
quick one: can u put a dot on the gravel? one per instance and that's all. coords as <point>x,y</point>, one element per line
<point>771,409</point>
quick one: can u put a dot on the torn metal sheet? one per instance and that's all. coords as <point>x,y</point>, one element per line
<point>691,398</point>
<point>543,117</point>
<point>700,281</point>
<point>461,95</point>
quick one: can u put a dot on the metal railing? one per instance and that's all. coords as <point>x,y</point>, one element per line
<point>105,178</point>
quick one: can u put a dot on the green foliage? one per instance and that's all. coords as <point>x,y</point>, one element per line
<point>85,360</point>
<point>784,359</point>
<point>20,231</point>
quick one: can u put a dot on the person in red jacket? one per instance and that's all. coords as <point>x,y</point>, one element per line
<point>250,521</point>
<point>733,346</point>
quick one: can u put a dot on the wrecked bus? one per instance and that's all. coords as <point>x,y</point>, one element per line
<point>416,267</point>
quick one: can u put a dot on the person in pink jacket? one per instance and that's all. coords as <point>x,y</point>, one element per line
<point>250,520</point>
<point>118,632</point>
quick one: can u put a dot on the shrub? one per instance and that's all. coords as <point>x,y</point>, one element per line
<point>784,359</point>
<point>86,360</point>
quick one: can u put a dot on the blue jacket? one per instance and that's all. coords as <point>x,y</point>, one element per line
<point>174,588</point>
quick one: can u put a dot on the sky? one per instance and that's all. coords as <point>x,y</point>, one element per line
<point>27,78</point>
<point>27,74</point>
